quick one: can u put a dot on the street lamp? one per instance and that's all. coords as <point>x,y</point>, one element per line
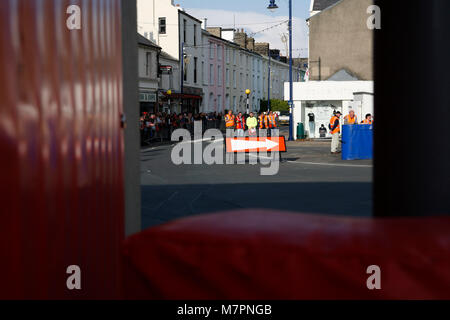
<point>247,92</point>
<point>169,93</point>
<point>272,7</point>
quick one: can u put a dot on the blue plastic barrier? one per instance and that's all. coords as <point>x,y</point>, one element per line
<point>357,142</point>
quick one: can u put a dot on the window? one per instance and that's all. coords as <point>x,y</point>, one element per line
<point>162,25</point>
<point>219,52</point>
<point>148,59</point>
<point>234,57</point>
<point>234,103</point>
<point>219,75</point>
<point>211,74</point>
<point>234,78</point>
<point>203,73</point>
<point>227,77</point>
<point>184,30</point>
<point>211,101</point>
<point>219,102</point>
<point>211,50</point>
<point>195,34</point>
<point>195,69</point>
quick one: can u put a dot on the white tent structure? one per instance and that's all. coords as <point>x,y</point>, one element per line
<point>321,98</point>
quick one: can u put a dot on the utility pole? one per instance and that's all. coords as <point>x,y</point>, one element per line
<point>291,85</point>
<point>248,100</point>
<point>272,7</point>
<point>182,70</point>
<point>268,85</point>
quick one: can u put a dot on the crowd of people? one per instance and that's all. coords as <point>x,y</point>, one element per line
<point>160,126</point>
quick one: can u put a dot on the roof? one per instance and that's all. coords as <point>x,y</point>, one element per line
<point>320,5</point>
<point>187,14</point>
<point>145,42</point>
<point>343,75</point>
<point>222,39</point>
<point>332,3</point>
<point>167,56</point>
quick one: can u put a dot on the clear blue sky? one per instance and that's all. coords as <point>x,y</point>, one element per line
<point>300,7</point>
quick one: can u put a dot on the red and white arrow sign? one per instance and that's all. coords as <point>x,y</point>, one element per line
<point>256,144</point>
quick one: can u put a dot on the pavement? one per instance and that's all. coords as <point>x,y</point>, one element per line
<point>311,181</point>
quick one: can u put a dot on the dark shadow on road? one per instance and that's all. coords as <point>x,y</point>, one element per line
<point>161,204</point>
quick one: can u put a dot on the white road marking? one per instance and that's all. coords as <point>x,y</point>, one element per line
<point>202,140</point>
<point>186,142</point>
<point>163,202</point>
<point>332,164</point>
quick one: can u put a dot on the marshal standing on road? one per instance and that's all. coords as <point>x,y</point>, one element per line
<point>335,130</point>
<point>229,120</point>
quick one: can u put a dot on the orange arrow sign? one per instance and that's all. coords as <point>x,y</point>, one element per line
<point>261,144</point>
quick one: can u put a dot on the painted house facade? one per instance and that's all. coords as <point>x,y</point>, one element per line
<point>179,35</point>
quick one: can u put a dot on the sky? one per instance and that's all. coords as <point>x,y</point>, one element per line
<point>254,17</point>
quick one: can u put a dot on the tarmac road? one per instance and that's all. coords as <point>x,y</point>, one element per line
<point>311,181</point>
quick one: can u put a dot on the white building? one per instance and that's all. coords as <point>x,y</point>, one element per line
<point>214,71</point>
<point>148,60</point>
<point>170,75</point>
<point>321,98</point>
<point>179,35</point>
<point>279,74</point>
<point>228,71</point>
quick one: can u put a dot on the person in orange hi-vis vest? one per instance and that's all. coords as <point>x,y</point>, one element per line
<point>272,122</point>
<point>229,120</point>
<point>262,119</point>
<point>351,118</point>
<point>335,130</point>
<point>240,125</point>
<point>368,119</point>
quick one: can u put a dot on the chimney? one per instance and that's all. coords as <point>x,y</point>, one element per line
<point>216,31</point>
<point>251,44</point>
<point>205,23</point>
<point>240,38</point>
<point>262,48</point>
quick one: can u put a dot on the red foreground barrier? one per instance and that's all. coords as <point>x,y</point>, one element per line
<point>257,254</point>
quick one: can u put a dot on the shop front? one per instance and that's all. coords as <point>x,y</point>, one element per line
<point>191,99</point>
<point>181,102</point>
<point>148,101</point>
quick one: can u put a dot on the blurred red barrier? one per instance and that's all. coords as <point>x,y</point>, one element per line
<point>61,149</point>
<point>258,254</point>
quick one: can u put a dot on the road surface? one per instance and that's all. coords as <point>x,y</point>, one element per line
<point>311,181</point>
